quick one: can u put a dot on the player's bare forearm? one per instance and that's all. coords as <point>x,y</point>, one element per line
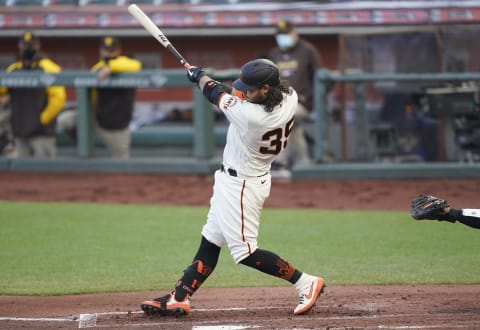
<point>203,81</point>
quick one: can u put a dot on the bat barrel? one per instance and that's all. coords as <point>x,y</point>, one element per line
<point>148,24</point>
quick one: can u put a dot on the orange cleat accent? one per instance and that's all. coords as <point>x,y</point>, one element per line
<point>309,296</point>
<point>166,306</point>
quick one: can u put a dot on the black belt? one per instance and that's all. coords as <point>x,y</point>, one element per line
<point>230,171</point>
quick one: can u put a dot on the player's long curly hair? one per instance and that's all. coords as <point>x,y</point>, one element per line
<point>275,95</point>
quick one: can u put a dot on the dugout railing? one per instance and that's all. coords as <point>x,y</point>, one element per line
<point>371,169</point>
<point>202,133</point>
<point>83,81</point>
<point>359,81</point>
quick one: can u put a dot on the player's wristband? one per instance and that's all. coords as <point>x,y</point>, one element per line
<point>212,91</point>
<point>453,215</point>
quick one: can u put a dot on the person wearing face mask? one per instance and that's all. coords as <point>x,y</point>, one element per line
<point>113,106</point>
<point>33,111</point>
<point>298,60</point>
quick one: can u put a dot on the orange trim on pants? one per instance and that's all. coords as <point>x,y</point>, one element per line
<point>243,218</point>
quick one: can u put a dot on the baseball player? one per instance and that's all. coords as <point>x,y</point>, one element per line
<point>34,110</point>
<point>426,207</point>
<point>113,106</point>
<point>261,110</point>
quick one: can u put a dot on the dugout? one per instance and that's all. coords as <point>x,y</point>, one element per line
<point>351,40</point>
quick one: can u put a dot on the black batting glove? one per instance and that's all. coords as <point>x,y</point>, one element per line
<point>194,74</point>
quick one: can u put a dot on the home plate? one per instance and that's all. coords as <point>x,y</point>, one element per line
<point>87,320</point>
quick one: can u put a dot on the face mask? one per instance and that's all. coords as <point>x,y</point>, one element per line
<point>284,41</point>
<point>106,59</point>
<point>28,54</point>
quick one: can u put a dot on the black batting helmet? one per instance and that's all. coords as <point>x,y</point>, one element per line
<point>257,73</point>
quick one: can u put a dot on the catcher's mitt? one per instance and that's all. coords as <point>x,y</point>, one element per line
<point>426,207</point>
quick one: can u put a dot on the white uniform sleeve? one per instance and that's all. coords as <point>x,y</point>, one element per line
<point>471,213</point>
<point>235,110</point>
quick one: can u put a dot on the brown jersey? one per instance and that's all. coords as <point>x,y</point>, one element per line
<point>298,65</point>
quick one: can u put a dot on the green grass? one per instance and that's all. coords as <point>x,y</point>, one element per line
<point>62,248</point>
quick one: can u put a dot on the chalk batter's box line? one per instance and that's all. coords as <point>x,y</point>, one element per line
<point>376,316</point>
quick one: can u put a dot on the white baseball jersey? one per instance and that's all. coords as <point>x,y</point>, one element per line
<point>255,137</point>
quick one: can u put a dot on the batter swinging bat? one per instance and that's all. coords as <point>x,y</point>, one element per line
<point>148,24</point>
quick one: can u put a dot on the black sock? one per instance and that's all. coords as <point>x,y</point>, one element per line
<point>202,266</point>
<point>270,263</point>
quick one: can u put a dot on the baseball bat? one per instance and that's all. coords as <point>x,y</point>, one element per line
<point>148,24</point>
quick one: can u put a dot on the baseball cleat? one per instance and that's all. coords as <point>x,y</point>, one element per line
<point>311,289</point>
<point>166,306</point>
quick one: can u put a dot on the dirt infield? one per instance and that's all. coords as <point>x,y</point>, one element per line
<point>196,190</point>
<point>342,307</point>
